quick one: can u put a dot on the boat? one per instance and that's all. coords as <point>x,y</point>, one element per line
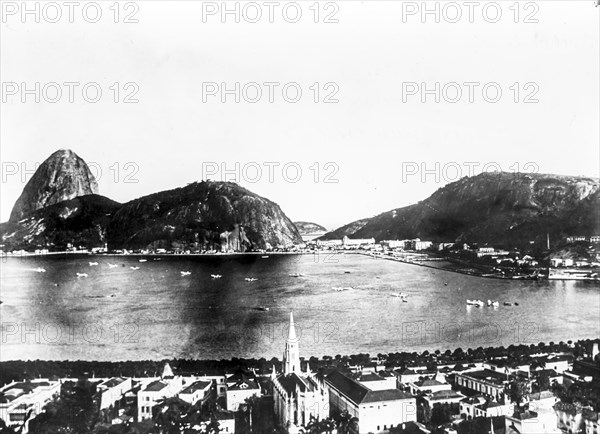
<point>477,303</point>
<point>135,268</point>
<point>294,274</point>
<point>82,275</point>
<point>216,276</point>
<point>337,288</point>
<point>264,256</point>
<point>185,273</point>
<point>250,279</point>
<point>347,288</point>
<point>445,284</point>
<point>347,271</point>
<point>507,303</point>
<point>495,304</point>
<point>143,260</point>
<point>399,295</point>
<point>516,304</point>
<point>92,264</point>
<point>263,308</point>
<point>40,270</point>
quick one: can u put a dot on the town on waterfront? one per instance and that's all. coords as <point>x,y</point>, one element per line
<point>299,217</point>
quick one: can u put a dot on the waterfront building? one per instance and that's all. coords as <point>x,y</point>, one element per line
<point>20,399</point>
<point>112,390</point>
<point>377,410</point>
<point>487,382</point>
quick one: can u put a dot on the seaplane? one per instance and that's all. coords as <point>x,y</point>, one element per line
<point>135,268</point>
<point>477,303</point>
<point>40,270</point>
<point>185,273</point>
<point>82,275</point>
<point>216,276</point>
<point>264,256</point>
<point>143,260</point>
<point>112,265</point>
<point>92,264</point>
<point>250,279</point>
<point>399,295</point>
<point>337,288</point>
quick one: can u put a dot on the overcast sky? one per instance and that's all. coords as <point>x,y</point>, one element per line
<point>371,141</point>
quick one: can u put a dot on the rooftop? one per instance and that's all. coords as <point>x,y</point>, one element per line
<point>155,386</point>
<point>359,393</point>
<point>197,385</point>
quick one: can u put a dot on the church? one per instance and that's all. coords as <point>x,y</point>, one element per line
<point>298,396</point>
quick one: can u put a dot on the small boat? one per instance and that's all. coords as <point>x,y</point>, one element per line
<point>135,268</point>
<point>40,270</point>
<point>347,271</point>
<point>477,303</point>
<point>398,294</point>
<point>216,276</point>
<point>404,300</point>
<point>445,284</point>
<point>495,304</point>
<point>294,274</point>
<point>92,264</point>
<point>113,265</point>
<point>264,256</point>
<point>507,303</point>
<point>263,308</point>
<point>516,304</point>
<point>143,260</point>
<point>337,288</point>
<point>82,275</point>
<point>250,279</point>
<point>185,273</point>
<point>347,288</point>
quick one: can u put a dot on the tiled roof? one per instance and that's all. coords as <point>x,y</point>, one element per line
<point>198,385</point>
<point>428,383</point>
<point>155,386</point>
<point>113,382</point>
<point>244,385</point>
<point>292,382</point>
<point>358,393</point>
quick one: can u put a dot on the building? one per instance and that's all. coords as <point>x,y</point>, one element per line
<point>377,381</point>
<point>155,391</point>
<point>428,385</point>
<point>18,400</point>
<point>358,243</point>
<point>480,406</point>
<point>377,410</point>
<point>487,382</point>
<point>297,396</point>
<point>197,391</point>
<point>112,390</point>
<point>240,387</point>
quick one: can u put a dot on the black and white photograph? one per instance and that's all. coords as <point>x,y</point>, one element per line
<point>300,217</point>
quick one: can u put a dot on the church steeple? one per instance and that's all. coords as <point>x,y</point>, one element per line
<point>291,356</point>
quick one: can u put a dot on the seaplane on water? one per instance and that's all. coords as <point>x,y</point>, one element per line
<point>216,276</point>
<point>92,264</point>
<point>135,268</point>
<point>250,279</point>
<point>112,265</point>
<point>82,275</point>
<point>185,273</point>
<point>40,270</point>
<point>143,260</point>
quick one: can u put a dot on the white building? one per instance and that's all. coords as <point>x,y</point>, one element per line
<point>155,391</point>
<point>112,390</point>
<point>240,386</point>
<point>377,410</point>
<point>298,396</point>
<point>197,391</point>
<point>22,398</point>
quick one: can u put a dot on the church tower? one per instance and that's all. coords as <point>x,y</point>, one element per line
<point>291,356</point>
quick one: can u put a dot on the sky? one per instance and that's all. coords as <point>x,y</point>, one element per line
<point>364,135</point>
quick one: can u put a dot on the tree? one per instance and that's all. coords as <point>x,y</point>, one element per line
<point>518,390</point>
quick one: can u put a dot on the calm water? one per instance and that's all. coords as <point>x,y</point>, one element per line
<point>154,312</point>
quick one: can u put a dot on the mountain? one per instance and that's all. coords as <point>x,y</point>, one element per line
<point>62,176</point>
<point>60,206</point>
<point>205,216</point>
<point>503,208</point>
<point>307,228</point>
<point>81,222</point>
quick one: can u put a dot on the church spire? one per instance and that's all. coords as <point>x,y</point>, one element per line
<point>291,356</point>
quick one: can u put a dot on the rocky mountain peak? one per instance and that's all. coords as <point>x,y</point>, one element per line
<point>62,176</point>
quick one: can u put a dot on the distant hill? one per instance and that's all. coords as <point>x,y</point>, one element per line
<point>307,228</point>
<point>205,215</point>
<point>503,208</point>
<point>60,206</point>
